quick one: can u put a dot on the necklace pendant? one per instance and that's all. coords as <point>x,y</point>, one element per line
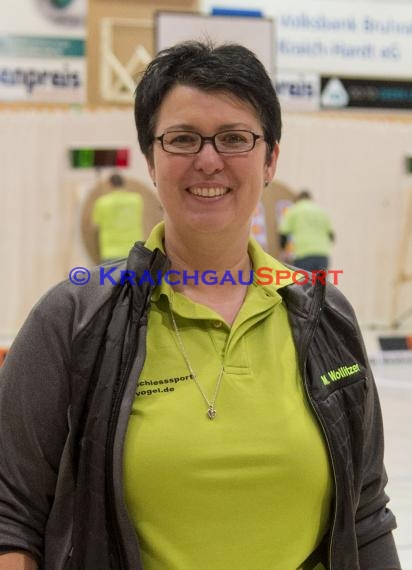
<point>211,413</point>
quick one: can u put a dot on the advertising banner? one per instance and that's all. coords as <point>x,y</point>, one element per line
<point>343,92</point>
<point>298,91</point>
<point>42,51</point>
<point>314,38</point>
<point>353,39</point>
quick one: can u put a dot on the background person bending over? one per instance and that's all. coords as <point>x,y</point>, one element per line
<point>195,426</point>
<point>308,225</point>
<point>118,216</point>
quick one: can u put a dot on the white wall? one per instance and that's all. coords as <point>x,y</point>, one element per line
<point>41,197</point>
<point>354,168</point>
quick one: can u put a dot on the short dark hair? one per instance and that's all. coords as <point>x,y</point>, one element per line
<point>303,195</point>
<point>116,180</point>
<point>229,68</point>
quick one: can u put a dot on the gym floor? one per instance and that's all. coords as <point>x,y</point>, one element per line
<point>393,375</point>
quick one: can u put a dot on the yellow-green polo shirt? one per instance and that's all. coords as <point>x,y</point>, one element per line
<point>250,489</point>
<point>309,227</point>
<point>119,215</point>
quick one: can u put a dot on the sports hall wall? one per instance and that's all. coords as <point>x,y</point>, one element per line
<point>354,163</point>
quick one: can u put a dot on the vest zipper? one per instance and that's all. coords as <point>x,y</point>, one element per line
<point>156,263</point>
<point>109,458</point>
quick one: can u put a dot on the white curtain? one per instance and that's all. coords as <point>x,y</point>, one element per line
<point>354,167</point>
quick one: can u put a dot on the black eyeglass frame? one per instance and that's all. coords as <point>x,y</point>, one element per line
<point>212,139</point>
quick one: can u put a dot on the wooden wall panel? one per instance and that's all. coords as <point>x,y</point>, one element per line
<point>125,42</point>
<point>98,9</point>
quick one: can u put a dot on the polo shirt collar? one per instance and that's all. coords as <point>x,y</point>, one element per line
<point>260,259</point>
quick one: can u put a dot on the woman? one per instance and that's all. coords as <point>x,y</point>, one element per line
<point>194,425</point>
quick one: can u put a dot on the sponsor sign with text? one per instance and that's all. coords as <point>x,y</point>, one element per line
<point>346,92</point>
<point>359,40</point>
<point>42,51</point>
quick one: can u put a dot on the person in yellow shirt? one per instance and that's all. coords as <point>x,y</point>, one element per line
<point>118,216</point>
<point>309,228</point>
<point>179,412</point>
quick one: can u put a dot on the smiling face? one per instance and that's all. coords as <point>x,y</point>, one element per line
<point>209,191</point>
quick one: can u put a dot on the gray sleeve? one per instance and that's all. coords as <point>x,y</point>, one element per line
<point>34,399</point>
<point>374,521</point>
<point>380,554</point>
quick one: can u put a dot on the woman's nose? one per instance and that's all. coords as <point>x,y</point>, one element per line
<point>208,159</point>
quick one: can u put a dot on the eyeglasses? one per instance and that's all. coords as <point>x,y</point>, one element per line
<point>225,142</point>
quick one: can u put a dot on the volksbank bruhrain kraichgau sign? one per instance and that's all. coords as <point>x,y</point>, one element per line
<point>335,40</point>
<point>42,51</point>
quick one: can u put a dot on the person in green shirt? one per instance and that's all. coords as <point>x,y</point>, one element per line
<point>180,411</point>
<point>118,216</point>
<point>309,228</point>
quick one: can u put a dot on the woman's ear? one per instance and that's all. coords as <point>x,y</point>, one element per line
<point>151,168</point>
<point>271,163</point>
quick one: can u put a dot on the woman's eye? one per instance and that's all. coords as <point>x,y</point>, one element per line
<point>182,139</point>
<point>232,139</point>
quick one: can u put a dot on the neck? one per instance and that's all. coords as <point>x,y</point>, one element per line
<point>201,252</point>
<point>206,251</point>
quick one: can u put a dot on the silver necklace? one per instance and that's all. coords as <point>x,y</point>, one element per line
<point>211,404</point>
